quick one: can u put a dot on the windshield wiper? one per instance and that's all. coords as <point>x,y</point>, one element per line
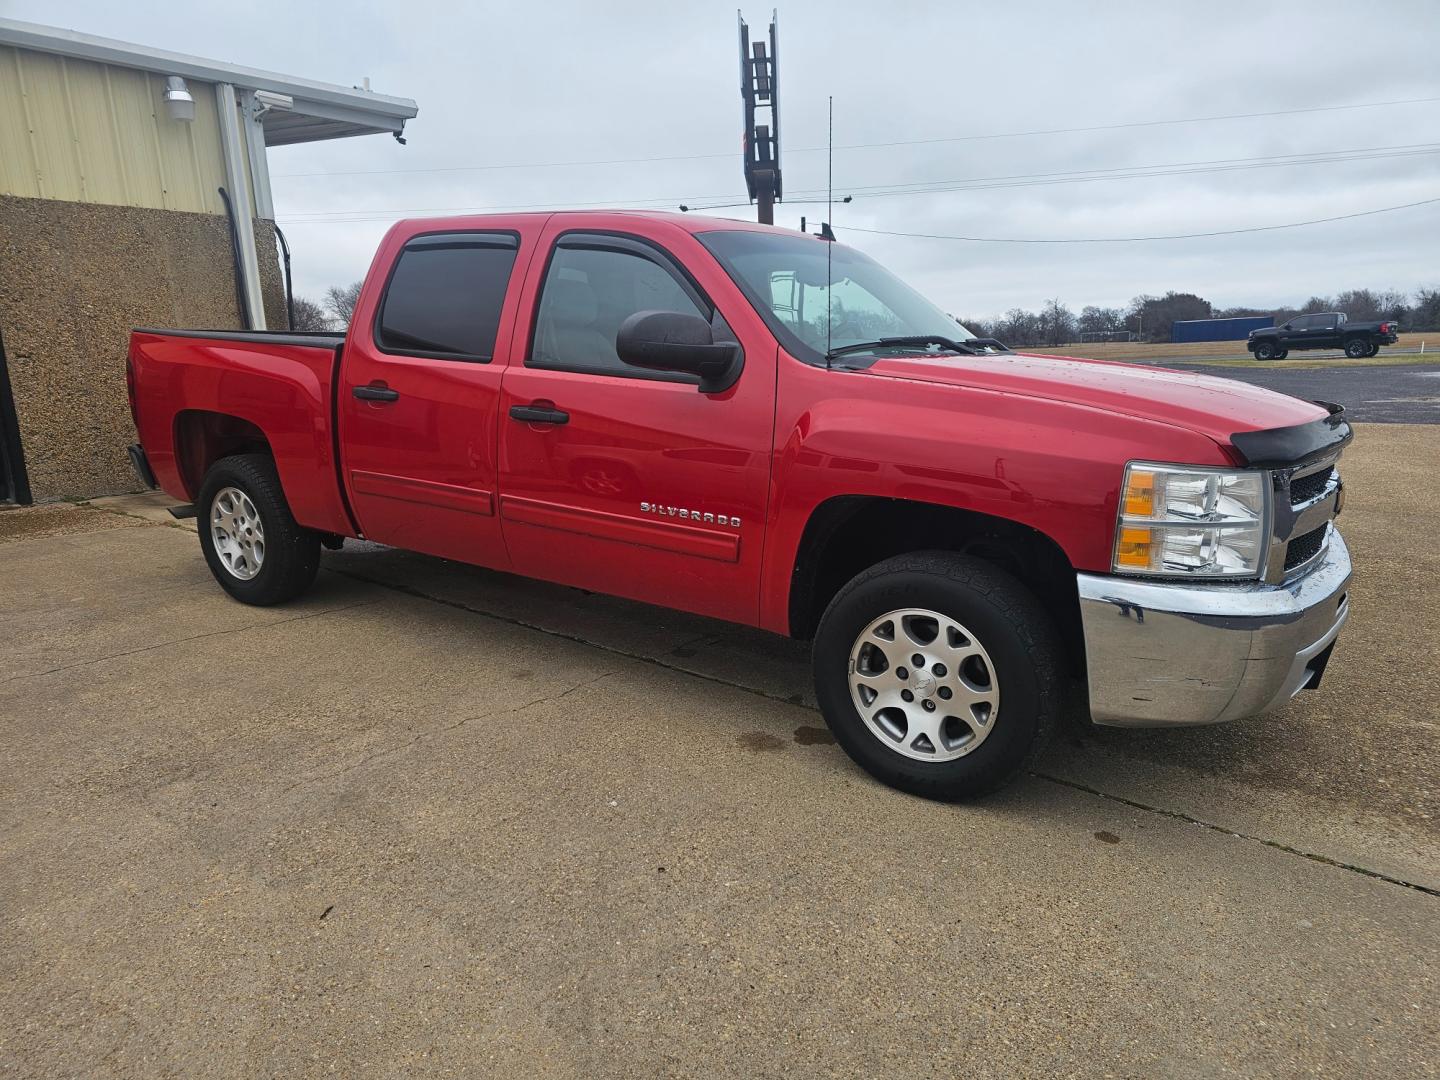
<point>914,341</point>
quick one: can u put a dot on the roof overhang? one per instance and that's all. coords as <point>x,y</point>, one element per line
<point>320,110</point>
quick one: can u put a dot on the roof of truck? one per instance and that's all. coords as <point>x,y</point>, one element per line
<point>689,222</point>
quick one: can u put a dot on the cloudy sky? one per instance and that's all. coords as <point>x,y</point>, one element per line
<point>512,95</point>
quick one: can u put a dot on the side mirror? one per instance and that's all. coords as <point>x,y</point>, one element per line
<point>674,341</point>
<point>1287,326</point>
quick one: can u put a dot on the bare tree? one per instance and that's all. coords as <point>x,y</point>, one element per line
<point>1360,304</point>
<point>1020,327</point>
<point>1426,312</point>
<point>340,301</point>
<point>1098,320</point>
<point>1058,322</point>
<point>309,315</point>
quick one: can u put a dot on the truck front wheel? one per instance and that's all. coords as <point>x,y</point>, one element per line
<point>938,674</point>
<point>257,551</point>
<point>1265,350</point>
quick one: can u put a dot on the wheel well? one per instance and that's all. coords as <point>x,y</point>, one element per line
<point>847,534</point>
<point>203,438</point>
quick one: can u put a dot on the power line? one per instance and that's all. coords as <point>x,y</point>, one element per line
<point>982,183</point>
<point>1213,164</point>
<point>868,146</point>
<point>1138,172</point>
<point>1141,239</point>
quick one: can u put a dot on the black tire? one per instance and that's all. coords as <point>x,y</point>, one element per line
<point>1374,350</point>
<point>1002,617</point>
<point>291,553</point>
<point>1265,350</point>
<point>1282,354</point>
<point>1357,348</point>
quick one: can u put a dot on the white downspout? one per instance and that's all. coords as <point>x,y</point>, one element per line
<point>233,142</point>
<point>251,112</point>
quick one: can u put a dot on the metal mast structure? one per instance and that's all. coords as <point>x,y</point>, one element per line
<point>760,90</point>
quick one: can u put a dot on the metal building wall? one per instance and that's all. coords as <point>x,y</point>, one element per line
<point>93,133</point>
<point>1217,329</point>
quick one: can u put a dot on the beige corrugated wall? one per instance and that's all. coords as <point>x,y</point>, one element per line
<point>92,133</point>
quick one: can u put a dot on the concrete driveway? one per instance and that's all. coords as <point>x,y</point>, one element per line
<point>433,821</point>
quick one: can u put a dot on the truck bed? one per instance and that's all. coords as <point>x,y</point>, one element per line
<point>199,392</point>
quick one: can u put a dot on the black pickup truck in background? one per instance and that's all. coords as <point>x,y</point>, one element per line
<point>1326,330</point>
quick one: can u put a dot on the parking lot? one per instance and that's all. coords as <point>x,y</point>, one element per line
<point>438,821</point>
<point>1384,393</point>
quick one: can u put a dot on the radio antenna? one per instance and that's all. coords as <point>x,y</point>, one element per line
<point>828,234</point>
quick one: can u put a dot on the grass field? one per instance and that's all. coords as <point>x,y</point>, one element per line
<point>1233,352</point>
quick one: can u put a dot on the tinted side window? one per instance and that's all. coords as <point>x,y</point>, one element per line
<point>588,293</point>
<point>1301,322</point>
<point>445,294</point>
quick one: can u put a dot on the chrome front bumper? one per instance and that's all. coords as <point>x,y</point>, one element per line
<point>1162,654</point>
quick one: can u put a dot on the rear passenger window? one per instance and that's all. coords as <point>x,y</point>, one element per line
<point>445,294</point>
<point>588,293</point>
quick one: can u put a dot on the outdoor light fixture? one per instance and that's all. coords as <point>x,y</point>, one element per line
<point>179,104</point>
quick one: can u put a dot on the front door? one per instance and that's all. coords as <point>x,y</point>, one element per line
<point>626,481</point>
<point>1298,336</point>
<point>418,396</point>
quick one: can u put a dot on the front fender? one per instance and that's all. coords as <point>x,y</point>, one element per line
<point>1052,466</point>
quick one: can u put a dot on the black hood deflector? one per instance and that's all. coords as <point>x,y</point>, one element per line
<point>1288,447</point>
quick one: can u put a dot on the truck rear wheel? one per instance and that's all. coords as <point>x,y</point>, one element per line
<point>1374,350</point>
<point>252,543</point>
<point>938,674</point>
<point>1357,348</point>
<point>1265,350</point>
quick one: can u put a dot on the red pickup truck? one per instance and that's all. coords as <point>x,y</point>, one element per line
<point>767,427</point>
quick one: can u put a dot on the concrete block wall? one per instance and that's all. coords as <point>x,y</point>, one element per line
<point>74,278</point>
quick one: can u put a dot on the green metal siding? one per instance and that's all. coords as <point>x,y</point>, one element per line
<point>86,132</point>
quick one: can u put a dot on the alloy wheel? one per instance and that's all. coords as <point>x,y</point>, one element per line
<point>924,685</point>
<point>238,534</point>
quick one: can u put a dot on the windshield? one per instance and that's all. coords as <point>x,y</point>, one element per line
<point>785,277</point>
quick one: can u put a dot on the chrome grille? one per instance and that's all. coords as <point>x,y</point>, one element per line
<point>1304,548</point>
<point>1310,486</point>
<point>1304,506</point>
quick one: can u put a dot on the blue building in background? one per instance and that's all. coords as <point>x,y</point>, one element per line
<point>1217,329</point>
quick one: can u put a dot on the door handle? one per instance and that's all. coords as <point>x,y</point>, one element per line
<point>539,414</point>
<point>375,393</point>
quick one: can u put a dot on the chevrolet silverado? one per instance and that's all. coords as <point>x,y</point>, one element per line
<point>767,427</point>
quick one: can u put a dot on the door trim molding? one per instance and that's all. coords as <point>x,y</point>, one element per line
<point>683,539</point>
<point>427,492</point>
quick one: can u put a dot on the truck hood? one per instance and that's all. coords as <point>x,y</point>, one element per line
<point>1214,407</point>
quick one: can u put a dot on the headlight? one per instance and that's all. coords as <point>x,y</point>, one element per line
<point>1178,522</point>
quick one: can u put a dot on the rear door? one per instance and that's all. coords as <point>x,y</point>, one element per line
<point>419,392</point>
<point>627,481</point>
<point>1326,331</point>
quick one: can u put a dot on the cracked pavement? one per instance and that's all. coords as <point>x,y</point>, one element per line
<point>437,821</point>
